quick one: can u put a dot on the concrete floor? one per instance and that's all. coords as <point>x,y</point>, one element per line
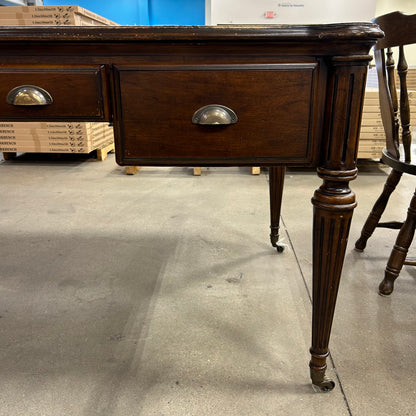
<point>159,294</point>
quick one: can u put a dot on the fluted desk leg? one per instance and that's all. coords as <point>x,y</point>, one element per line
<point>333,206</point>
<point>276,181</point>
<point>334,202</point>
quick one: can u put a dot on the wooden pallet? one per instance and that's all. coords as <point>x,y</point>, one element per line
<point>102,153</point>
<point>131,170</point>
<point>254,171</point>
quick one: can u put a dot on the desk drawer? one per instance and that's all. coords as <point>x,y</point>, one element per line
<point>77,93</point>
<point>274,105</point>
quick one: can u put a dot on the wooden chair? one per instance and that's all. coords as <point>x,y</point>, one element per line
<point>399,30</point>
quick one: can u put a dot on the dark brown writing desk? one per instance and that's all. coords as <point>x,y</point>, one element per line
<point>203,96</point>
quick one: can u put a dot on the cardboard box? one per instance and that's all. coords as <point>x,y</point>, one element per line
<point>51,13</point>
<point>73,20</point>
<point>372,129</point>
<point>30,146</point>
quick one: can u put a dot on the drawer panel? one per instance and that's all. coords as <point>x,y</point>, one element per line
<point>274,104</point>
<point>78,93</point>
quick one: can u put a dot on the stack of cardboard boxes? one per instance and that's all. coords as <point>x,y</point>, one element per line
<point>410,79</point>
<point>53,137</point>
<point>372,137</point>
<point>51,16</point>
<point>58,137</point>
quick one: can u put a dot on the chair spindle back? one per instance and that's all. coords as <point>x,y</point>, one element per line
<point>400,30</point>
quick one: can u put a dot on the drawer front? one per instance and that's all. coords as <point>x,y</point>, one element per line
<point>77,93</point>
<point>274,105</point>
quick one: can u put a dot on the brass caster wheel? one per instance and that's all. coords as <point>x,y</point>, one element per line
<point>279,249</point>
<point>274,240</point>
<point>325,386</point>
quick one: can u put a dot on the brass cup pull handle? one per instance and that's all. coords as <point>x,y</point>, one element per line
<point>29,95</point>
<point>214,114</point>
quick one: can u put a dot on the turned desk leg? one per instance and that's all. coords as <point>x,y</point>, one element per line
<point>333,207</point>
<point>334,202</point>
<point>276,181</point>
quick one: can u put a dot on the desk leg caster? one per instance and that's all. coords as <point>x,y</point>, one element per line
<point>320,382</point>
<point>279,249</point>
<point>274,239</point>
<point>317,367</point>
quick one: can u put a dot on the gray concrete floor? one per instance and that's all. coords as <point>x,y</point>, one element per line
<point>159,294</point>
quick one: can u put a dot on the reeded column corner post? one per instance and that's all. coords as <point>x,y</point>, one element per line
<point>334,201</point>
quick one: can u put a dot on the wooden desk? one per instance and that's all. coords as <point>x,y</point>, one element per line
<point>288,95</point>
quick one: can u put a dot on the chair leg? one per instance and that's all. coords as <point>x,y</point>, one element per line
<point>399,252</point>
<point>378,209</point>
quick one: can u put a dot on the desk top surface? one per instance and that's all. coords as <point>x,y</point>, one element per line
<point>302,33</point>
